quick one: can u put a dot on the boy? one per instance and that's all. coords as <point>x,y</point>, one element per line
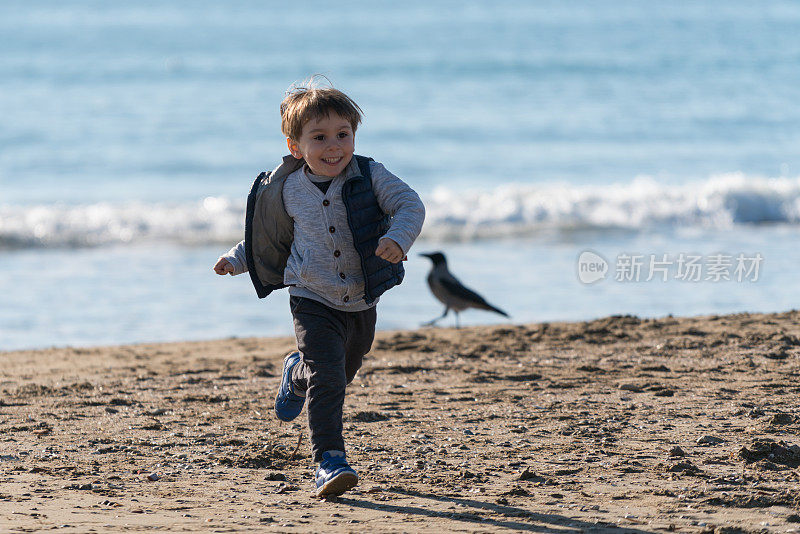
<point>333,227</point>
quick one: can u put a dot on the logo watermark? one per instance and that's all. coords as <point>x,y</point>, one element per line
<point>592,267</point>
<point>717,267</point>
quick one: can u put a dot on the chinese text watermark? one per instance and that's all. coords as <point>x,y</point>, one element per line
<point>717,267</point>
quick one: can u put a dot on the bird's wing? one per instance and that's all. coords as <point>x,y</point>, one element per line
<point>457,289</point>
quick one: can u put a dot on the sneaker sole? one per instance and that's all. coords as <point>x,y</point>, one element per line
<point>274,410</point>
<point>338,484</point>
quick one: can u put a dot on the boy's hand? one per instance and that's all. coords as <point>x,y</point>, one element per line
<point>223,267</point>
<point>389,250</point>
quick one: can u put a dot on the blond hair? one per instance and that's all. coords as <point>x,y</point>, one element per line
<point>308,101</point>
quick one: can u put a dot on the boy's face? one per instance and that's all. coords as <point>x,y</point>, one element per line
<point>327,144</point>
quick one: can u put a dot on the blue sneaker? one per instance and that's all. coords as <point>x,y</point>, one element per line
<point>334,474</point>
<point>288,404</point>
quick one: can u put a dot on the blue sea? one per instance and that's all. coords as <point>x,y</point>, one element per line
<point>642,133</point>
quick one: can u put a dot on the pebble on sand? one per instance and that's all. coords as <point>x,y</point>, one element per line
<point>709,440</point>
<point>677,451</point>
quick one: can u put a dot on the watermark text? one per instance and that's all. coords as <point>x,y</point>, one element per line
<point>682,267</point>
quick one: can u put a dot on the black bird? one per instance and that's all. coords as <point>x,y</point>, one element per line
<point>453,294</point>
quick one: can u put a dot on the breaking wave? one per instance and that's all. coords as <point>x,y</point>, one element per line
<point>644,204</point>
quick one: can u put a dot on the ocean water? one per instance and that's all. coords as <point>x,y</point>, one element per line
<point>534,132</point>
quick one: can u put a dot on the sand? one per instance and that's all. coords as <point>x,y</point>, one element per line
<point>674,424</point>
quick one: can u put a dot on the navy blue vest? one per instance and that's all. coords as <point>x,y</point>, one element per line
<point>367,224</point>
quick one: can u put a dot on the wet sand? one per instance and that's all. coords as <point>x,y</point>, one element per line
<point>674,424</point>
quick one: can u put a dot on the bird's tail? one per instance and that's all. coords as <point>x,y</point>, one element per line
<point>496,310</point>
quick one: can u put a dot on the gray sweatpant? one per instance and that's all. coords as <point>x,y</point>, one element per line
<point>332,345</point>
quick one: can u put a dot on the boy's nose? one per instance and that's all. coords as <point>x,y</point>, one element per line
<point>333,145</point>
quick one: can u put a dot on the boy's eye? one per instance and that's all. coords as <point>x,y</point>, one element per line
<point>343,135</point>
<point>319,137</point>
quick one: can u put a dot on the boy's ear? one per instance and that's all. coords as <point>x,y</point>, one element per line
<point>294,149</point>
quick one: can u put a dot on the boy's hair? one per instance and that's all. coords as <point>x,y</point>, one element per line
<point>305,102</point>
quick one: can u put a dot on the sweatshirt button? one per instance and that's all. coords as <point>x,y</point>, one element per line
<point>331,229</point>
<point>346,298</point>
<point>336,253</point>
<point>341,275</point>
<point>326,202</point>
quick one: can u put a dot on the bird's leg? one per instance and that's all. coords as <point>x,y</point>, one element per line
<point>442,316</point>
<point>458,325</point>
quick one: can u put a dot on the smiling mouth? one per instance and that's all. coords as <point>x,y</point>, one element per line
<point>332,161</point>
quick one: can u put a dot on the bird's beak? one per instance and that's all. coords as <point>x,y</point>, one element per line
<point>426,255</point>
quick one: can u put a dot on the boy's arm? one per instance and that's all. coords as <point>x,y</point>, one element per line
<point>396,198</point>
<point>237,258</point>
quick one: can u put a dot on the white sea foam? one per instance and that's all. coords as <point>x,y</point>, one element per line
<point>509,210</point>
<point>644,204</point>
<point>59,225</point>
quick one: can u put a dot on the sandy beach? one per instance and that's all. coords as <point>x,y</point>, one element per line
<point>673,424</point>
